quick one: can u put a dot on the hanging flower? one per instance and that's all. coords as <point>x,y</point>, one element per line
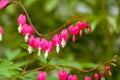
<point>3,3</point>
<point>57,42</point>
<point>45,46</point>
<point>64,36</point>
<point>41,75</point>
<point>74,30</point>
<point>102,75</point>
<point>21,22</point>
<point>1,33</point>
<point>96,76</point>
<point>62,74</point>
<point>31,44</point>
<point>108,69</point>
<point>87,78</point>
<point>81,26</point>
<point>72,77</point>
<point>27,30</point>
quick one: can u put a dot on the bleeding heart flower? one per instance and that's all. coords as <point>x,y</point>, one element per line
<point>63,74</point>
<point>56,40</point>
<point>21,22</point>
<point>3,3</point>
<point>1,33</point>
<point>42,75</point>
<point>87,78</point>
<point>64,36</point>
<point>109,71</point>
<point>96,76</point>
<point>74,30</point>
<point>45,46</point>
<point>72,77</point>
<point>102,75</point>
<point>31,44</point>
<point>81,26</point>
<point>27,30</point>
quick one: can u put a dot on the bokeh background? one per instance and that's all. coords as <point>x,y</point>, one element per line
<point>101,44</point>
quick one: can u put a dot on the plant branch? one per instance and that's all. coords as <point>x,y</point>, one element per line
<point>27,63</point>
<point>71,67</point>
<point>43,35</point>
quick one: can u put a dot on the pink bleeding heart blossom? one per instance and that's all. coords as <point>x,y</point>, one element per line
<point>102,75</point>
<point>88,28</point>
<point>74,30</point>
<point>21,21</point>
<point>62,75</point>
<point>46,46</point>
<point>72,77</point>
<point>56,40</point>
<point>42,75</point>
<point>87,78</point>
<point>27,30</point>
<point>3,3</point>
<point>64,36</point>
<point>37,45</point>
<point>81,26</point>
<point>1,33</point>
<point>96,76</point>
<point>108,69</point>
<point>31,44</point>
<point>50,47</point>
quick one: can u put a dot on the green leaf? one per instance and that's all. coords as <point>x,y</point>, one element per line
<point>88,65</point>
<point>113,22</point>
<point>9,69</point>
<point>29,2</point>
<point>31,76</point>
<point>94,23</point>
<point>11,55</point>
<point>49,5</point>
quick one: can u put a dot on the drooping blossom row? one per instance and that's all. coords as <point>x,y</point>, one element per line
<point>58,40</point>
<point>63,75</point>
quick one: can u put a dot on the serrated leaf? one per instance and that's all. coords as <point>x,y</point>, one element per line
<point>11,55</point>
<point>31,76</point>
<point>9,69</point>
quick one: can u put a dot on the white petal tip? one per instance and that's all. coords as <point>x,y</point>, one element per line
<point>46,54</point>
<point>39,51</point>
<point>30,49</point>
<point>63,43</point>
<point>26,37</point>
<point>0,37</point>
<point>57,48</point>
<point>19,28</point>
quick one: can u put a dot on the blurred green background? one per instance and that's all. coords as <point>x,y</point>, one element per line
<point>101,44</point>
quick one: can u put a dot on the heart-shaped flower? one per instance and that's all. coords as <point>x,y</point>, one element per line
<point>74,30</point>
